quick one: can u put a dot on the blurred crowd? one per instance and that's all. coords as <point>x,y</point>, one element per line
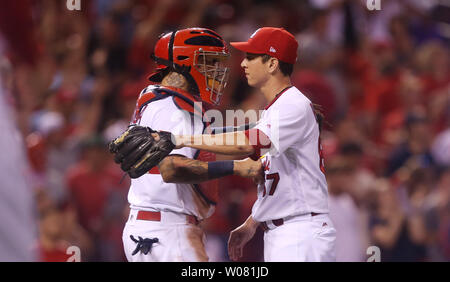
<point>382,78</point>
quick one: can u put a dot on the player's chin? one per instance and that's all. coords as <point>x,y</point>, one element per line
<point>251,82</point>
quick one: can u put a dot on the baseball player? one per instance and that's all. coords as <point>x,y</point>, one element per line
<point>168,202</point>
<point>18,231</point>
<point>292,203</point>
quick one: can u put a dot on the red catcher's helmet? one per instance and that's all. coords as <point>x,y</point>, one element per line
<point>200,55</point>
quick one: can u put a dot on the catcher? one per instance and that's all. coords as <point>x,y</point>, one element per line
<point>169,200</point>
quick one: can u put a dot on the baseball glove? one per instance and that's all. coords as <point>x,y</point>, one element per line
<point>137,151</point>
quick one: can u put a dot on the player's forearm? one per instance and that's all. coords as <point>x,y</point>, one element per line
<point>250,222</point>
<point>183,170</point>
<point>179,169</point>
<point>233,143</point>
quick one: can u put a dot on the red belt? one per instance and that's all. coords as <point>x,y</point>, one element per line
<point>156,216</point>
<point>278,222</point>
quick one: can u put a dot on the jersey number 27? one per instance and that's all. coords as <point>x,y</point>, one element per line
<point>273,186</point>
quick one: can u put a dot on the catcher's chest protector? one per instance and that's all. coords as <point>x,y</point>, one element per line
<point>208,190</point>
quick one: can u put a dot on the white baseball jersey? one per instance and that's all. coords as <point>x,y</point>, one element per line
<point>18,231</point>
<point>149,192</point>
<point>295,183</point>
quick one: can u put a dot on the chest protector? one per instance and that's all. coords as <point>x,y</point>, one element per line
<point>208,190</point>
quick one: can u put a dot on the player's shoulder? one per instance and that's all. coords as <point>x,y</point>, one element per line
<point>297,97</point>
<point>180,99</point>
<point>164,108</point>
<point>154,106</point>
<point>293,99</point>
<point>157,89</point>
<point>156,97</point>
<point>148,89</point>
<point>154,92</point>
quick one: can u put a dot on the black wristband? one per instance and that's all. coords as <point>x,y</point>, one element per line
<point>220,169</point>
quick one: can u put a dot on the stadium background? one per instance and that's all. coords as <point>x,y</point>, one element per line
<point>382,77</point>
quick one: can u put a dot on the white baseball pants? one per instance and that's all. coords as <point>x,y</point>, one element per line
<point>302,238</point>
<point>178,241</point>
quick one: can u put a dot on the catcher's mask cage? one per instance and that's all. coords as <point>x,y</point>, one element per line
<point>212,66</point>
<point>200,55</point>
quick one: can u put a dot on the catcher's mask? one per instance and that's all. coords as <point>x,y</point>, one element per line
<point>200,55</point>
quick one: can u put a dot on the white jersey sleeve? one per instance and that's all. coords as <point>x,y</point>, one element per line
<point>284,126</point>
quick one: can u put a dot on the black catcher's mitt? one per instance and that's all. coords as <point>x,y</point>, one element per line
<point>137,151</point>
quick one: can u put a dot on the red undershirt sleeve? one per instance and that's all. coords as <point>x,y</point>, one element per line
<point>258,140</point>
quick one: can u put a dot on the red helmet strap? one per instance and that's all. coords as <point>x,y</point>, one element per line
<point>171,64</point>
<point>171,41</point>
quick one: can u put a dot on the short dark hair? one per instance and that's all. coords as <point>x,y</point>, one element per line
<point>285,68</point>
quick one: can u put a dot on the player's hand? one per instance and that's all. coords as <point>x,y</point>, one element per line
<point>239,237</point>
<point>250,169</point>
<point>179,141</point>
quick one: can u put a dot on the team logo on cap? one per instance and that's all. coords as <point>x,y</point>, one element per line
<point>272,50</point>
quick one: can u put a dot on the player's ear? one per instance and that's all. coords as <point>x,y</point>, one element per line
<point>273,65</point>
